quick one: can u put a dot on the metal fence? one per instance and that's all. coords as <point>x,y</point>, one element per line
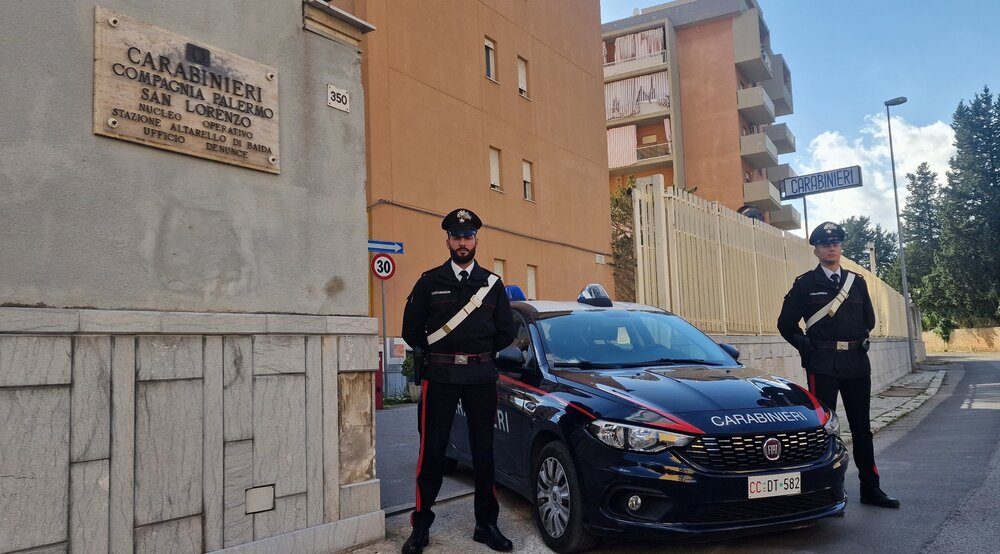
<point>726,273</point>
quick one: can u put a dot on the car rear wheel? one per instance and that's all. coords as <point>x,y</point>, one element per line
<point>559,501</point>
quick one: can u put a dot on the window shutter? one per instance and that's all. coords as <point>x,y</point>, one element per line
<point>494,168</point>
<point>526,177</point>
<point>532,292</point>
<point>498,267</point>
<point>522,76</point>
<point>490,48</point>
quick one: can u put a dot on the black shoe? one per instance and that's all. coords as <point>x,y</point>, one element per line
<point>876,497</point>
<point>492,537</point>
<point>418,540</point>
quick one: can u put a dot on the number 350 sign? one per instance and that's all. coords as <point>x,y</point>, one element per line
<point>338,98</point>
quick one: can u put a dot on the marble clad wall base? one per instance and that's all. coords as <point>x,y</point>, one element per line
<point>771,354</point>
<point>148,442</point>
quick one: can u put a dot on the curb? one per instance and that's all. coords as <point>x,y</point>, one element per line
<point>898,412</point>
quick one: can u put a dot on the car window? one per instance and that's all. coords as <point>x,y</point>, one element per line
<point>626,337</point>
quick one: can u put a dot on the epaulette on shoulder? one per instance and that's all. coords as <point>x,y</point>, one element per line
<point>803,275</point>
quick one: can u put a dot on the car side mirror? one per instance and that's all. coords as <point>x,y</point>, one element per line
<point>510,359</point>
<point>731,350</point>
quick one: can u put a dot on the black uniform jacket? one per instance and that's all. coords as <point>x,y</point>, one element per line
<point>854,321</point>
<point>436,297</point>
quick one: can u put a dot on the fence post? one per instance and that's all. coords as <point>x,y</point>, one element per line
<point>665,247</point>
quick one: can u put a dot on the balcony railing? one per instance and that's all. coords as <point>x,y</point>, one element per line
<point>652,151</point>
<point>644,61</point>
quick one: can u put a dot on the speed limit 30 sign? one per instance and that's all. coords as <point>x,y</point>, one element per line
<point>383,266</point>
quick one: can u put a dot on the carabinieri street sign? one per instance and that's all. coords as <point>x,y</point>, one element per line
<point>386,246</point>
<point>824,181</point>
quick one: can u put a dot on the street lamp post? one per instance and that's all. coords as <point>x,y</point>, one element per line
<point>899,234</point>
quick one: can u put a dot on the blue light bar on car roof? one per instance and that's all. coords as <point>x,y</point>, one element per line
<point>514,293</point>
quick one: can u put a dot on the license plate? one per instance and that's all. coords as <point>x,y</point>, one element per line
<point>781,484</point>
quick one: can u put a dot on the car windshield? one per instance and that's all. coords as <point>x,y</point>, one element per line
<point>625,338</point>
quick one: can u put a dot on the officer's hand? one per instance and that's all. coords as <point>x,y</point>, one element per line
<point>802,343</point>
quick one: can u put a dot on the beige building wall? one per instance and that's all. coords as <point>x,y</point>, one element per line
<point>708,80</point>
<point>433,115</point>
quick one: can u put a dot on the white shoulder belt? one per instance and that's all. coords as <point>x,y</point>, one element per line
<point>457,319</point>
<point>834,305</point>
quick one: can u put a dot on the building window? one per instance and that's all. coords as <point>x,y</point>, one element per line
<point>500,268</point>
<point>522,77</point>
<point>495,169</point>
<point>532,292</point>
<point>529,193</point>
<point>491,59</point>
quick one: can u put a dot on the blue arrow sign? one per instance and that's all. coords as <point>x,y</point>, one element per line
<point>387,246</point>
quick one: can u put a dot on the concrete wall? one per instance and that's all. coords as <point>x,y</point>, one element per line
<point>89,221</point>
<point>141,431</point>
<point>771,354</point>
<point>175,331</point>
<point>434,115</point>
<point>986,339</point>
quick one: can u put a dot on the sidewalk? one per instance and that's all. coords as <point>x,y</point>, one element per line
<point>453,527</point>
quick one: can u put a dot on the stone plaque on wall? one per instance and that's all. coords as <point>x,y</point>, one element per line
<point>161,89</point>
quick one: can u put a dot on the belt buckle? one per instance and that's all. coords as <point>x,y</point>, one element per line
<point>461,359</point>
<point>843,345</point>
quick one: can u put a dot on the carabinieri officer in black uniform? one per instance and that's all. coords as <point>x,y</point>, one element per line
<point>459,315</point>
<point>834,348</point>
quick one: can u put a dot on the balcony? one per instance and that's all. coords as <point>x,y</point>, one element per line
<point>763,195</point>
<point>782,138</point>
<point>647,156</point>
<point>657,61</point>
<point>750,48</point>
<point>754,105</point>
<point>779,173</point>
<point>779,88</point>
<point>758,150</point>
<point>652,151</point>
<point>786,218</point>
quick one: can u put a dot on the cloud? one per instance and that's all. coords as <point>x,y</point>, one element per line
<point>913,144</point>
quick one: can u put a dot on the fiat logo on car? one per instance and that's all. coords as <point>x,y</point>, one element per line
<point>772,449</point>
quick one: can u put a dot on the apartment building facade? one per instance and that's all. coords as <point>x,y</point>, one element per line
<point>495,107</point>
<point>692,92</point>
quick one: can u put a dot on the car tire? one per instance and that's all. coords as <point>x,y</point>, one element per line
<point>559,502</point>
<point>450,465</point>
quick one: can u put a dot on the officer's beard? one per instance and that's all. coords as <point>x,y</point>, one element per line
<point>462,259</point>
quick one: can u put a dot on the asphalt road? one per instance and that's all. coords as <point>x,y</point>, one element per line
<point>942,461</point>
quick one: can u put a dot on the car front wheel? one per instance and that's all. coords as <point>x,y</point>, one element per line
<point>559,501</point>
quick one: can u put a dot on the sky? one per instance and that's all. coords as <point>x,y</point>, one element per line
<point>846,58</point>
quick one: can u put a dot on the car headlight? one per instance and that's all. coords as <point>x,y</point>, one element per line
<point>633,437</point>
<point>832,426</point>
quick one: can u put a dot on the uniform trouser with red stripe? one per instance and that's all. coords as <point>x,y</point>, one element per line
<point>856,393</point>
<point>436,412</point>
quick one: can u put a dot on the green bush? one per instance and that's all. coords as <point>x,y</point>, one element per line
<point>945,326</point>
<point>408,367</point>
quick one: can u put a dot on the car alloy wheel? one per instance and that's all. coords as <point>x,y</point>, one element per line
<point>552,492</point>
<point>559,497</point>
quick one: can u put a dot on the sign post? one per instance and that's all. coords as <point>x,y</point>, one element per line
<point>383,268</point>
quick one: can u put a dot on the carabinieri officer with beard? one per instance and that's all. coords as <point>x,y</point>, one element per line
<point>838,312</point>
<point>458,315</point>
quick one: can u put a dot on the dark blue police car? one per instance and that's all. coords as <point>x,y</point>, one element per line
<point>619,419</point>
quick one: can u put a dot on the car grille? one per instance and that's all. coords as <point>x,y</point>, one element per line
<point>763,508</point>
<point>746,452</point>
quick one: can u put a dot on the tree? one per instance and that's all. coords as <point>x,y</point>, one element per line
<point>921,229</point>
<point>859,232</point>
<point>622,243</point>
<point>964,283</point>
